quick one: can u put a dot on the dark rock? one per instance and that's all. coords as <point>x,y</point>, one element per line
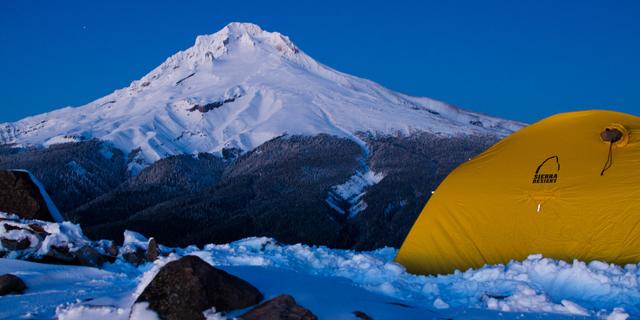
<point>152,250</point>
<point>14,245</point>
<point>60,255</point>
<point>362,315</point>
<point>8,227</point>
<point>282,307</point>
<point>476,123</point>
<point>88,256</point>
<point>37,228</point>
<point>185,288</point>
<point>109,259</point>
<point>111,249</point>
<point>11,284</point>
<point>135,257</point>
<point>207,107</point>
<point>21,196</point>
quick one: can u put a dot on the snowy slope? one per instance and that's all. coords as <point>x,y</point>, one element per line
<point>332,283</point>
<point>335,283</point>
<point>239,88</point>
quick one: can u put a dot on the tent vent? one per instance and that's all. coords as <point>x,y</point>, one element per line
<point>612,136</point>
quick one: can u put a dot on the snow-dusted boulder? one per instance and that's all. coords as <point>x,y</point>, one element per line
<point>137,249</point>
<point>51,242</point>
<point>185,288</point>
<point>22,194</point>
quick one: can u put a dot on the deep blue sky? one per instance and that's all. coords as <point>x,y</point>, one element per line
<point>522,60</point>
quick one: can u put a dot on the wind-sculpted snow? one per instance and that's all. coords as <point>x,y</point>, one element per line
<point>249,86</point>
<point>333,283</point>
<point>536,284</point>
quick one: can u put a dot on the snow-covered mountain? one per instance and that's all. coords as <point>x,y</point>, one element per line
<point>238,88</point>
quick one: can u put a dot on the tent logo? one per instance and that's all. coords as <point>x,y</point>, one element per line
<point>549,173</point>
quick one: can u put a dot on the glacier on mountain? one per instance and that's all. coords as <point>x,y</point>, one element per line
<point>239,88</point>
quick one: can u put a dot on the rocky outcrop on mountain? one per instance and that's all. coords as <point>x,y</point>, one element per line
<point>11,284</point>
<point>73,173</point>
<point>185,288</point>
<point>20,194</point>
<point>283,307</point>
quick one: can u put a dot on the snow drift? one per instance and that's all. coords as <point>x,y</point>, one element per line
<point>333,283</point>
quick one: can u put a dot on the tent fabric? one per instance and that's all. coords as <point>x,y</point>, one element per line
<point>538,191</point>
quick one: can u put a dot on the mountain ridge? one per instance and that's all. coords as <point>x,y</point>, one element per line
<point>238,88</point>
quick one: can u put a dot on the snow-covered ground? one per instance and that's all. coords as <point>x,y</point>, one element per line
<point>332,284</point>
<point>254,86</point>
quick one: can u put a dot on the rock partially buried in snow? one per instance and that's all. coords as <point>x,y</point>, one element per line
<point>153,251</point>
<point>59,254</point>
<point>11,284</point>
<point>281,307</point>
<point>185,288</point>
<point>21,195</point>
<point>135,257</point>
<point>88,256</point>
<point>13,245</point>
<point>46,242</point>
<point>137,250</point>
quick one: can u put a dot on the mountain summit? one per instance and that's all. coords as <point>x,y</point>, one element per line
<point>238,88</point>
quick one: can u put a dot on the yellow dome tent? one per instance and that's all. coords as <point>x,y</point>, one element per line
<point>567,187</point>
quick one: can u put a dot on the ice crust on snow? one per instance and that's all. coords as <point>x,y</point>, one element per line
<point>272,88</point>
